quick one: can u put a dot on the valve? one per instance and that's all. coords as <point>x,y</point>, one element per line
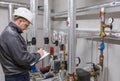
<point>103,24</point>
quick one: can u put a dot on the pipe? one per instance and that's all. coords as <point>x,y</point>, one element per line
<point>32,33</point>
<point>112,4</point>
<point>10,12</point>
<point>5,4</point>
<point>14,4</point>
<point>33,8</point>
<point>46,29</point>
<point>71,36</point>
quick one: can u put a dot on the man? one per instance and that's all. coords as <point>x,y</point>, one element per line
<point>15,59</point>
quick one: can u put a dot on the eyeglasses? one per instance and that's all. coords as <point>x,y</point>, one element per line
<point>26,23</point>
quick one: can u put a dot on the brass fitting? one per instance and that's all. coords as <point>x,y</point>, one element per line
<point>94,73</point>
<point>71,76</point>
<point>75,78</point>
<point>101,58</point>
<point>62,65</point>
<point>103,26</point>
<point>102,33</point>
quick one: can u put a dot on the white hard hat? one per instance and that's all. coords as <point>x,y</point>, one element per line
<point>24,12</point>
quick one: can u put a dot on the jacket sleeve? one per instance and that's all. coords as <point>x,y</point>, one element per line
<point>19,52</point>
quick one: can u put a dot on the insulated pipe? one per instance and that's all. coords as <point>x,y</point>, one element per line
<point>46,23</point>
<point>34,9</point>
<point>32,33</point>
<point>14,4</point>
<point>5,4</point>
<point>71,35</point>
<point>112,4</point>
<point>10,12</point>
<point>46,30</point>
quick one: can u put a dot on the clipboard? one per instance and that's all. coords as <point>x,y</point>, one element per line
<point>45,54</point>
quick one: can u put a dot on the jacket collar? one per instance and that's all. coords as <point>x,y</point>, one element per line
<point>11,24</point>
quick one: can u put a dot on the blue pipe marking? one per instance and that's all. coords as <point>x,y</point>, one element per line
<point>102,46</point>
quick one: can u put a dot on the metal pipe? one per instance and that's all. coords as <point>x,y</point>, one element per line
<point>46,19</point>
<point>59,13</point>
<point>46,29</point>
<point>14,4</point>
<point>112,4</point>
<point>32,33</point>
<point>88,29</point>
<point>71,36</point>
<point>33,8</point>
<point>10,12</point>
<point>5,4</point>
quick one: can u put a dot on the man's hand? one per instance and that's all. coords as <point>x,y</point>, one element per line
<point>41,51</point>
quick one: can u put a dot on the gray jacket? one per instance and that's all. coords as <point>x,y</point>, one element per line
<point>14,57</point>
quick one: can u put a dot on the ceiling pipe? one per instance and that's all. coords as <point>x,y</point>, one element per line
<point>107,5</point>
<point>12,5</point>
<point>112,4</point>
<point>5,4</point>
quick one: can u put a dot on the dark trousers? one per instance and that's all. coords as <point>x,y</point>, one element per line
<point>24,77</point>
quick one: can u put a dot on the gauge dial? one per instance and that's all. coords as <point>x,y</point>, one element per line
<point>77,61</point>
<point>110,20</point>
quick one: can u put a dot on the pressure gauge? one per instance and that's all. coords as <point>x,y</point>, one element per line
<point>54,36</point>
<point>110,20</point>
<point>61,37</point>
<point>77,61</point>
